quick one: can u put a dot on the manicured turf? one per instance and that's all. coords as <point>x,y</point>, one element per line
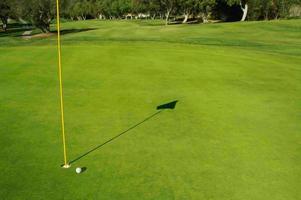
<point>235,132</point>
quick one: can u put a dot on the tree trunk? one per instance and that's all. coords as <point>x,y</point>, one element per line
<point>4,27</point>
<point>204,17</point>
<point>4,23</point>
<point>266,15</point>
<point>167,16</point>
<point>154,16</point>
<point>44,28</point>
<point>47,29</point>
<point>186,15</point>
<point>244,10</point>
<point>22,20</point>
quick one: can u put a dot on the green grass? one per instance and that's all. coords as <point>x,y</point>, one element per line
<point>235,133</point>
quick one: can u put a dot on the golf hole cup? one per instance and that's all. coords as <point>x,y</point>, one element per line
<point>78,170</point>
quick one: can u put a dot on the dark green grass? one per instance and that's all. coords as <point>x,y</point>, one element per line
<point>235,133</point>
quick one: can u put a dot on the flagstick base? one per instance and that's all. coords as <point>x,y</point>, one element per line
<point>66,166</point>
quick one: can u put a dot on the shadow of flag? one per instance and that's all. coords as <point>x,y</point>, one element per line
<point>170,105</point>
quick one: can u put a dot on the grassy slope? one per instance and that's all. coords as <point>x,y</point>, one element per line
<point>235,133</point>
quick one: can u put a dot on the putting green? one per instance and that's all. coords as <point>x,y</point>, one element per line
<point>234,134</point>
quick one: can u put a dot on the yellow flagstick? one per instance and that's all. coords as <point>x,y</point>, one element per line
<point>66,164</point>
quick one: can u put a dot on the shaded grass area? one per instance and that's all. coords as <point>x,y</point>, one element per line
<point>235,133</point>
<point>274,37</point>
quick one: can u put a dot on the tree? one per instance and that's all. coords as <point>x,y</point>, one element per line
<point>169,6</point>
<point>187,7</point>
<point>205,7</point>
<point>282,7</point>
<point>243,5</point>
<point>42,14</point>
<point>270,9</point>
<point>5,10</point>
<point>152,7</point>
<point>39,12</point>
<point>195,7</point>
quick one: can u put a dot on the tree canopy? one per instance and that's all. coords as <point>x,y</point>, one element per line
<point>41,12</point>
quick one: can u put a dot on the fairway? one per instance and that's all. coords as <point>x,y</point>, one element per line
<point>235,132</point>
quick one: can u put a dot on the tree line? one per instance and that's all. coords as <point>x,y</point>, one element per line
<point>42,12</point>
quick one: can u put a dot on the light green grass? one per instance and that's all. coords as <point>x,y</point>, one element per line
<point>235,133</point>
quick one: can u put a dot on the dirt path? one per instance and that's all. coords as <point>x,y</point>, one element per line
<point>27,35</point>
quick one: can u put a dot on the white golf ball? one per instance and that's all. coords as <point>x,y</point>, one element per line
<point>78,170</point>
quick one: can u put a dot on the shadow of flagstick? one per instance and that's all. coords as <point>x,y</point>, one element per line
<point>115,137</point>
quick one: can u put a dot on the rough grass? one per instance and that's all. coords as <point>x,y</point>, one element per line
<point>235,133</point>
